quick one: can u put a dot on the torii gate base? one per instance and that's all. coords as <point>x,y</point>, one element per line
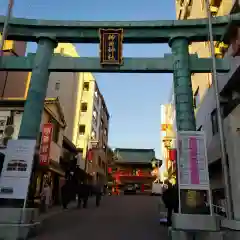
<point>177,33</point>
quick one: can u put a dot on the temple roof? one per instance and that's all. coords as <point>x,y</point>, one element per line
<point>133,155</point>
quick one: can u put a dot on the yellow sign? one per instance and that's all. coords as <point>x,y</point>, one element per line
<point>191,198</point>
<point>166,127</point>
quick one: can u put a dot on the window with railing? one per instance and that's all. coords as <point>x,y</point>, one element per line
<point>196,98</point>
<point>214,121</point>
<point>84,107</point>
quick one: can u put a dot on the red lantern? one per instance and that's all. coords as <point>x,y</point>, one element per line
<point>172,154</point>
<point>109,170</point>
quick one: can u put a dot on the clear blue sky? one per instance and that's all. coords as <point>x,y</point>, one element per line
<point>133,100</point>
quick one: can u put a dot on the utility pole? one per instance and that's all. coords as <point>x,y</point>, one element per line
<point>5,26</point>
<point>228,196</point>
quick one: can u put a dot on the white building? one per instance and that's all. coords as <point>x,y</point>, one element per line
<point>206,120</point>
<point>168,131</point>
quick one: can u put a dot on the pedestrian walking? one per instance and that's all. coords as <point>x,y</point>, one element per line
<point>170,200</point>
<point>46,196</point>
<point>98,193</point>
<point>83,194</point>
<point>65,194</point>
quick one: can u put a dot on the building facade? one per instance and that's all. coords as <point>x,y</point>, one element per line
<point>204,96</point>
<point>86,113</point>
<point>192,9</point>
<point>11,112</point>
<point>9,80</point>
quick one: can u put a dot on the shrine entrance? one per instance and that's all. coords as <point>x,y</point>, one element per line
<point>111,36</point>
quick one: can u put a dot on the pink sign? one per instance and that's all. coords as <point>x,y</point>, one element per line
<point>193,161</point>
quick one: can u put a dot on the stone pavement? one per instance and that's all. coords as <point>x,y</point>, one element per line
<point>54,211</point>
<point>118,218</point>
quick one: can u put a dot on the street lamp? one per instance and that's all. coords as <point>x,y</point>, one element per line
<point>5,26</point>
<point>228,196</point>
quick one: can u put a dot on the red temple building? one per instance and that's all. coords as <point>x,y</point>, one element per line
<point>133,166</point>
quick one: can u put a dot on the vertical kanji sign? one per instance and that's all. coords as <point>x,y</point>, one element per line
<point>111,45</point>
<point>45,144</point>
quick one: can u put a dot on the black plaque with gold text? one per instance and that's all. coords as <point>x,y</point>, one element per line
<point>111,45</point>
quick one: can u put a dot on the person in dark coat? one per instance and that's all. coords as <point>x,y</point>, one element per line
<point>98,190</point>
<point>170,200</point>
<point>65,195</point>
<point>83,194</point>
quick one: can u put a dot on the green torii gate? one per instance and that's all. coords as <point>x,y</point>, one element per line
<point>177,33</point>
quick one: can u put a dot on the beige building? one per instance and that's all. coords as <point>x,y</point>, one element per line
<point>9,80</point>
<point>84,109</point>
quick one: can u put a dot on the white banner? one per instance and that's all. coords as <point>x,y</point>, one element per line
<point>192,160</point>
<point>17,169</point>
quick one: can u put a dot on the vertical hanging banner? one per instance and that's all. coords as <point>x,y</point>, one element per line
<point>111,45</point>
<point>47,132</point>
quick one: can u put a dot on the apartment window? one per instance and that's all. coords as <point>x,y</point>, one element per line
<point>196,98</point>
<point>84,107</point>
<point>99,162</point>
<point>181,2</point>
<point>203,4</point>
<point>180,14</point>
<point>105,131</point>
<point>93,135</point>
<point>94,114</point>
<point>57,86</point>
<point>104,166</point>
<point>86,86</point>
<point>216,3</point>
<point>214,121</point>
<point>82,129</point>
<point>10,120</point>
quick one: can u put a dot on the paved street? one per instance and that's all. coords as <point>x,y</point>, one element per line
<point>118,218</point>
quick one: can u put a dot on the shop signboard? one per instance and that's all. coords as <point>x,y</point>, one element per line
<point>44,152</point>
<point>17,169</point>
<point>192,163</point>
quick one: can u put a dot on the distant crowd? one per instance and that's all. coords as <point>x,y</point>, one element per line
<point>73,189</point>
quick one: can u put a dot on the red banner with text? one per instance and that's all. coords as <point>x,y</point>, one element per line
<point>45,144</point>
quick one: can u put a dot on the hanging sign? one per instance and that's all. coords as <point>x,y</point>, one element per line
<point>47,132</point>
<point>111,45</point>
